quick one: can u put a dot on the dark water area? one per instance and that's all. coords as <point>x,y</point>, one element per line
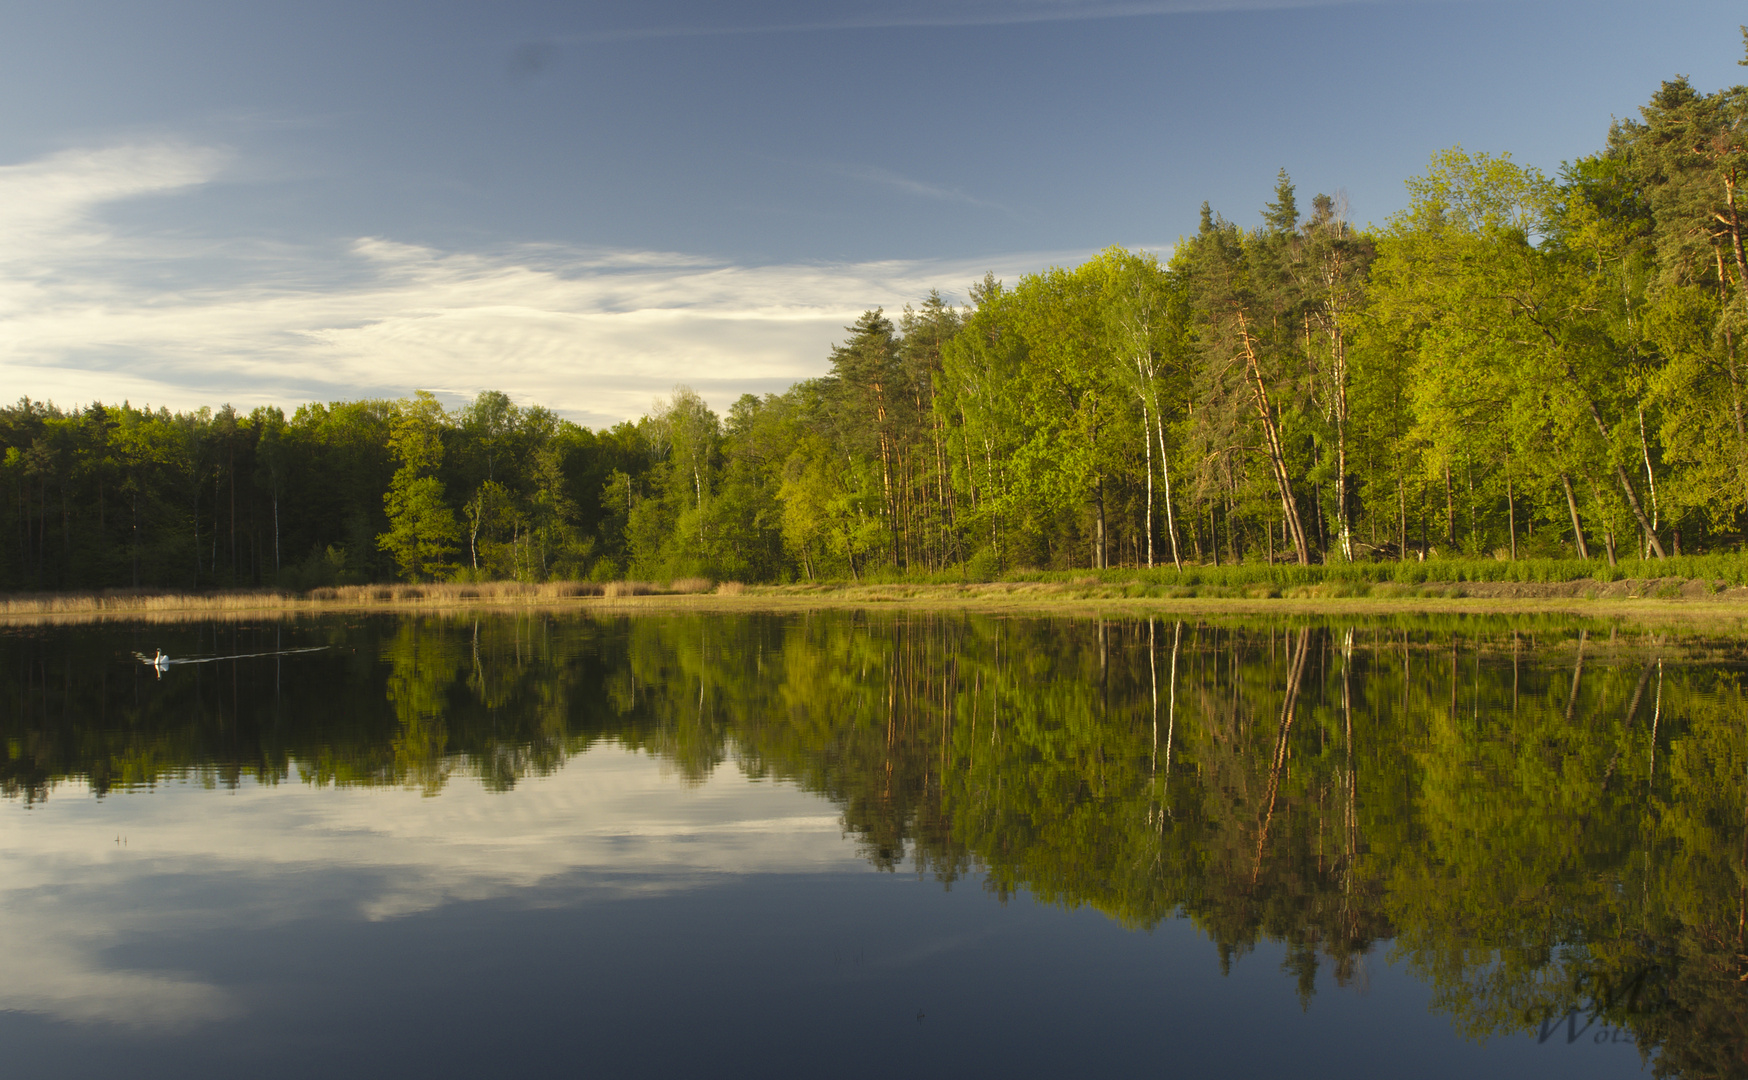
<point>855,844</point>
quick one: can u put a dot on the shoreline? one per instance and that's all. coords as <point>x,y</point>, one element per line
<point>1655,599</point>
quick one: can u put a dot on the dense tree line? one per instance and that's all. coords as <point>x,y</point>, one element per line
<point>342,493</point>
<point>1514,365</point>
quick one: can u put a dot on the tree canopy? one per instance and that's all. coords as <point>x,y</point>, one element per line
<point>1515,365</point>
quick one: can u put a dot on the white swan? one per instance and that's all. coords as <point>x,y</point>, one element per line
<point>160,660</point>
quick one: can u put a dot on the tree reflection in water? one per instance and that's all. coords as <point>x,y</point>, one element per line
<point>1541,816</point>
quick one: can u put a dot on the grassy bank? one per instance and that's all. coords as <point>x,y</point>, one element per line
<point>133,602</point>
<point>1091,588</point>
<point>1721,570</point>
<point>1715,584</point>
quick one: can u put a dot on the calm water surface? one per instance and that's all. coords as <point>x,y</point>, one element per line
<point>860,844</point>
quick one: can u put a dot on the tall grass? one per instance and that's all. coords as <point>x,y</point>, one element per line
<point>143,601</point>
<point>454,591</point>
<point>1332,580</point>
<point>1725,569</point>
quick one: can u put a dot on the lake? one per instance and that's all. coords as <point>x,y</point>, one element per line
<point>859,844</point>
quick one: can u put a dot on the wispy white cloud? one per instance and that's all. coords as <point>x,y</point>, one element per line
<point>88,312</point>
<point>45,204</point>
<point>887,178</point>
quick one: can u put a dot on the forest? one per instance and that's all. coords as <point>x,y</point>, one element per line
<point>1515,366</point>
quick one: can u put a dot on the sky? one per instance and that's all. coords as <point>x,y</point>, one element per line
<point>586,204</point>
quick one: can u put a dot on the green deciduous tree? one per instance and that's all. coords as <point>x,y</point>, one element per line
<point>423,533</point>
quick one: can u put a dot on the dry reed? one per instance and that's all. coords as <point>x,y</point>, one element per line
<point>627,588</point>
<point>119,601</point>
<point>143,601</point>
<point>452,591</point>
<point>139,605</point>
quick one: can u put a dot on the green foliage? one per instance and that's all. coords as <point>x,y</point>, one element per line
<point>423,533</point>
<point>1516,365</point>
<point>339,493</point>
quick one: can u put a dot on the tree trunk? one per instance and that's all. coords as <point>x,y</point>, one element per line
<point>1620,473</point>
<point>1650,477</point>
<point>1170,515</point>
<point>1147,444</point>
<point>1450,509</point>
<point>1099,555</point>
<point>1577,525</point>
<point>1233,555</point>
<point>1633,501</point>
<point>1474,513</point>
<point>1607,528</point>
<point>940,486</point>
<point>1423,519</point>
<point>886,484</point>
<point>698,489</point>
<point>1511,515</point>
<point>1272,439</point>
<point>1402,509</point>
<point>1735,226</point>
<point>1341,507</point>
<point>1627,485</point>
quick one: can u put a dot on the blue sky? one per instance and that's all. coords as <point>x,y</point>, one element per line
<point>584,204</point>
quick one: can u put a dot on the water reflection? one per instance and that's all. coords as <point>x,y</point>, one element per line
<point>1548,821</point>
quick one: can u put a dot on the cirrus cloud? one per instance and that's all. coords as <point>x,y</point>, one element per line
<point>89,311</point>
